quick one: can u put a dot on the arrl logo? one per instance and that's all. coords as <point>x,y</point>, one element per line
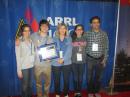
<point>54,21</point>
<point>67,20</point>
<point>57,20</point>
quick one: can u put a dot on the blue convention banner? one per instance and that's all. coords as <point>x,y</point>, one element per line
<point>71,12</point>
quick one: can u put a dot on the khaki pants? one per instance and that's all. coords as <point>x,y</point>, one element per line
<point>42,72</point>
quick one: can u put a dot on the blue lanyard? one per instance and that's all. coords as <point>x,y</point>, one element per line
<point>61,42</point>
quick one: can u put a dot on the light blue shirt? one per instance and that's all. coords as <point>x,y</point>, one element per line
<point>66,47</point>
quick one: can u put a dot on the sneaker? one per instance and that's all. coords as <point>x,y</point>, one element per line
<point>78,95</point>
<point>66,96</point>
<point>97,95</point>
<point>57,95</point>
<point>90,95</point>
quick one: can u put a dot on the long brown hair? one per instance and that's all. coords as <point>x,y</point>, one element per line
<point>74,35</point>
<point>58,27</point>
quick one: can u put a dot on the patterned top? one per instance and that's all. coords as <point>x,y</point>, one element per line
<point>101,41</point>
<point>79,46</point>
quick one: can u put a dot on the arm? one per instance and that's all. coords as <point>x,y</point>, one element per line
<point>106,49</point>
<point>106,46</point>
<point>18,60</point>
<point>17,52</point>
<point>68,52</point>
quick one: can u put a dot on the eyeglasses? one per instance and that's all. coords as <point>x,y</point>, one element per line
<point>26,31</point>
<point>79,29</point>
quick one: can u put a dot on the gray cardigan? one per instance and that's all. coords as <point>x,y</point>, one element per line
<point>24,55</point>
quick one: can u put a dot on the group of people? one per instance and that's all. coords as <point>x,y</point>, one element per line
<point>77,51</point>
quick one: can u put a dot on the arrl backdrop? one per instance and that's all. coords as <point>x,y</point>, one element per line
<point>71,12</point>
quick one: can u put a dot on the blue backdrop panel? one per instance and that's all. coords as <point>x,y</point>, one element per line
<point>78,11</point>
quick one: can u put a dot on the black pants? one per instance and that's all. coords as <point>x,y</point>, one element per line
<point>94,74</point>
<point>27,82</point>
<point>78,76</point>
<point>57,75</point>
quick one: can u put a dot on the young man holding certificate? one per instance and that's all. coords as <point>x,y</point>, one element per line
<point>97,53</point>
<point>42,68</point>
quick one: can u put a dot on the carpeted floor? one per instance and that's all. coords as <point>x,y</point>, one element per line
<point>84,94</point>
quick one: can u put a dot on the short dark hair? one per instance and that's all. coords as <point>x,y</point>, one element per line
<point>44,21</point>
<point>95,17</point>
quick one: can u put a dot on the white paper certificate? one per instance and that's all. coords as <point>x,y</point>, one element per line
<point>47,52</point>
<point>94,47</point>
<point>79,57</point>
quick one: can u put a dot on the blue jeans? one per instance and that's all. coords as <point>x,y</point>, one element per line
<point>27,82</point>
<point>78,70</point>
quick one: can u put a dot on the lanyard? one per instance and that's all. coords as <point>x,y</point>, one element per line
<point>59,43</point>
<point>30,46</point>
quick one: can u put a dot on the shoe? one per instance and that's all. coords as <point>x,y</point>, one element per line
<point>97,95</point>
<point>66,96</point>
<point>90,95</point>
<point>57,95</point>
<point>78,95</point>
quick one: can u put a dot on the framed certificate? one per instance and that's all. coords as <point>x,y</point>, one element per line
<point>47,52</point>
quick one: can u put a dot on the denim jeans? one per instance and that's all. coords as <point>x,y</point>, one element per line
<point>27,82</point>
<point>78,70</point>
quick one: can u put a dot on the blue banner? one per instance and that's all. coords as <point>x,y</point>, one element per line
<point>71,12</point>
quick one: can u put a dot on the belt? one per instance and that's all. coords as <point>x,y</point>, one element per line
<point>94,57</point>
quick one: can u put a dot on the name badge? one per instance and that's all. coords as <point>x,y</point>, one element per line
<point>94,47</point>
<point>61,54</point>
<point>79,57</point>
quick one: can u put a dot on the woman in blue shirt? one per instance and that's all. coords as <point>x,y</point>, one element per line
<point>63,63</point>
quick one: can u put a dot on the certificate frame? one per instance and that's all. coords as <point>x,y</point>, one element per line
<point>51,47</point>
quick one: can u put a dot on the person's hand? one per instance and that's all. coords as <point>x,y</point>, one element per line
<point>20,75</point>
<point>60,61</point>
<point>103,62</point>
<point>48,60</point>
<point>17,42</point>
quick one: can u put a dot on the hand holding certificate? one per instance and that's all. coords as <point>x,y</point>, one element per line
<point>47,52</point>
<point>60,61</point>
